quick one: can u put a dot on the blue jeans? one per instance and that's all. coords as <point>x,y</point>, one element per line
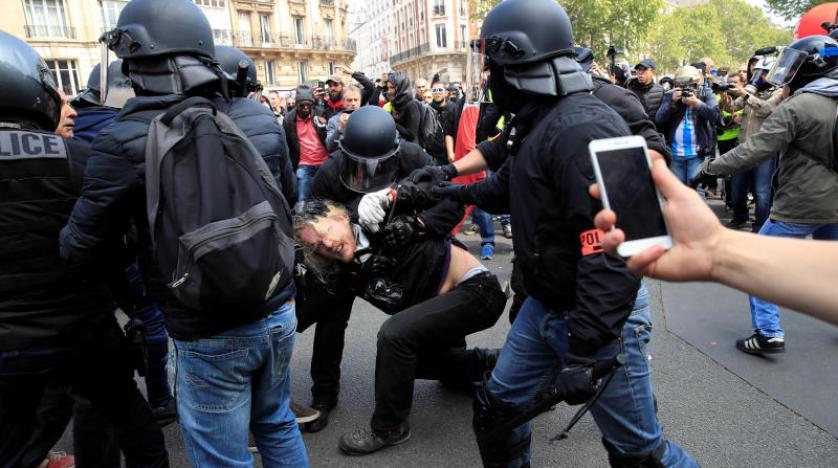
<point>238,381</point>
<point>625,413</point>
<point>765,316</point>
<point>760,179</point>
<point>304,175</point>
<point>686,168</point>
<point>483,221</point>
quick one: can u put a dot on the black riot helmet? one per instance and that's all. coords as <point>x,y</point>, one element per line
<point>369,149</point>
<point>28,90</point>
<point>529,43</point>
<point>150,28</point>
<point>803,61</point>
<point>117,83</point>
<point>233,62</point>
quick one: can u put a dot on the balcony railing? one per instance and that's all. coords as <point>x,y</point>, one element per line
<point>328,3</point>
<point>45,30</point>
<point>410,53</point>
<point>290,41</point>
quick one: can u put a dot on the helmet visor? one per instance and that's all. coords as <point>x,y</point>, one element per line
<point>786,66</point>
<point>476,72</point>
<point>365,175</point>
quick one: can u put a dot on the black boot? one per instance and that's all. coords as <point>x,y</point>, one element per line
<point>324,407</point>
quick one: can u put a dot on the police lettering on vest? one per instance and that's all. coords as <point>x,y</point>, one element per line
<point>27,145</point>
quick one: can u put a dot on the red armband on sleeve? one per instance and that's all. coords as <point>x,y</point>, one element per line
<point>591,241</point>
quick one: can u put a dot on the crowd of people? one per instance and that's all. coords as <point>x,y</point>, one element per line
<point>224,219</point>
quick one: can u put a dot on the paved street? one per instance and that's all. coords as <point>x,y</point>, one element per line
<point>726,408</point>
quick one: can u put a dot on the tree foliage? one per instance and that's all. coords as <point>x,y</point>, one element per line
<point>727,30</point>
<point>790,9</point>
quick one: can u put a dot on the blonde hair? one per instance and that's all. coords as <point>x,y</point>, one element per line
<point>323,270</point>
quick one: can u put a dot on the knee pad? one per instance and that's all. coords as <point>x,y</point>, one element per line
<point>499,450</point>
<point>635,459</point>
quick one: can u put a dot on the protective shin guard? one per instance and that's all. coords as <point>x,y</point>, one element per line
<point>635,459</point>
<point>496,452</point>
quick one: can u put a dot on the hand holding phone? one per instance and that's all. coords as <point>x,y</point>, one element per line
<point>623,172</point>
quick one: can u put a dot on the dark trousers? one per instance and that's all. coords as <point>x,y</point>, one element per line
<point>95,367</point>
<point>427,341</point>
<point>330,312</point>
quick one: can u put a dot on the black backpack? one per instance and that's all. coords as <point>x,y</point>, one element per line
<point>431,133</point>
<point>219,225</point>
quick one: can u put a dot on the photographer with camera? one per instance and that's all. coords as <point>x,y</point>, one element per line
<point>687,118</point>
<point>728,128</point>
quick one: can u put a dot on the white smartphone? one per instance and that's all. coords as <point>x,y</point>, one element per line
<point>624,174</point>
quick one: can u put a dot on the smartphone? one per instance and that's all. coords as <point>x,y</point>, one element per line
<point>624,174</point>
<point>321,84</point>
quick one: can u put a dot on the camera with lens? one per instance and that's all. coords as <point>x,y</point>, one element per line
<point>687,92</point>
<point>721,87</point>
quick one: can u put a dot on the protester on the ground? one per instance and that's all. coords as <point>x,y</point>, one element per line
<point>56,327</point>
<point>644,86</point>
<point>687,118</point>
<point>403,106</point>
<point>181,65</point>
<point>305,130</point>
<point>371,157</point>
<point>799,274</point>
<point>334,130</point>
<point>435,291</point>
<point>801,130</point>
<point>582,302</point>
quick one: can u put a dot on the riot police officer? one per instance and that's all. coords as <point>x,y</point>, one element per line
<point>53,325</point>
<point>582,302</point>
<point>371,157</point>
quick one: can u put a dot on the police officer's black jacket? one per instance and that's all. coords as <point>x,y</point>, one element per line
<point>545,188</point>
<point>41,301</point>
<point>114,193</point>
<point>328,186</point>
<point>627,104</point>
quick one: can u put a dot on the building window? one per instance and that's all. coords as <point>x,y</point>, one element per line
<point>270,72</point>
<point>331,68</point>
<point>441,39</point>
<point>302,72</point>
<point>110,13</point>
<point>221,36</point>
<point>46,18</point>
<point>299,30</point>
<point>245,34</point>
<point>211,3</point>
<point>463,36</point>
<point>439,7</point>
<point>327,24</point>
<point>66,73</point>
<point>463,11</point>
<point>265,27</point>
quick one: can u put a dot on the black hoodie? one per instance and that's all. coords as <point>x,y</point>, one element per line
<point>405,107</point>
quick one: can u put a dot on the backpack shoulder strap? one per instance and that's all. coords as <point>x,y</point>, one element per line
<point>178,108</point>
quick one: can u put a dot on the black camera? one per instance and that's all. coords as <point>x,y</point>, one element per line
<point>721,87</point>
<point>687,93</point>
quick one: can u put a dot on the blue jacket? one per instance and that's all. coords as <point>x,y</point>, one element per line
<point>113,195</point>
<point>91,121</point>
<point>670,115</point>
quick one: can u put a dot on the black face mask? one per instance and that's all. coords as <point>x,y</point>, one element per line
<point>504,95</point>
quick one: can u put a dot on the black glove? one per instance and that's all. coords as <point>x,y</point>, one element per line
<point>397,234</point>
<point>575,381</point>
<point>458,192</point>
<point>413,194</point>
<point>433,175</point>
<point>377,264</point>
<point>702,178</point>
